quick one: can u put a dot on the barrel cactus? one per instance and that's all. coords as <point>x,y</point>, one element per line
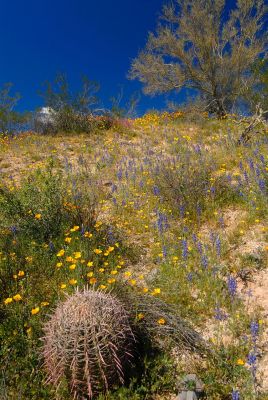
<point>88,343</point>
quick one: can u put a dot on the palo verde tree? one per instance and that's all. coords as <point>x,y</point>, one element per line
<point>205,46</point>
<point>259,94</point>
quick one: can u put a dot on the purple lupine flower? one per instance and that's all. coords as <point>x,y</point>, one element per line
<point>218,246</point>
<point>252,359</point>
<point>262,185</point>
<point>13,229</point>
<point>204,261</point>
<point>199,210</point>
<point>221,221</point>
<point>254,329</point>
<point>51,246</point>
<point>184,249</point>
<point>235,395</point>
<point>120,174</point>
<point>200,247</point>
<point>251,164</point>
<point>164,251</point>
<point>182,211</point>
<point>246,176</point>
<point>190,277</point>
<point>156,190</point>
<point>258,172</point>
<point>194,237</point>
<point>232,285</point>
<point>114,188</point>
<point>219,314</point>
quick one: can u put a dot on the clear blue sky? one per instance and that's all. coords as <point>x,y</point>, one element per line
<point>97,38</point>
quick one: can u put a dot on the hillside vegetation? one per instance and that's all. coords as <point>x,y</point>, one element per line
<point>169,211</point>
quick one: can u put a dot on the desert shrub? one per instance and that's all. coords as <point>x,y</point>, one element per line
<point>11,121</point>
<point>158,377</point>
<point>189,182</point>
<point>68,112</point>
<point>35,210</point>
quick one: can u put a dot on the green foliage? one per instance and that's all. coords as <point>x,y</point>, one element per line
<point>260,94</point>
<point>197,47</point>
<point>158,377</point>
<point>70,112</point>
<point>10,120</point>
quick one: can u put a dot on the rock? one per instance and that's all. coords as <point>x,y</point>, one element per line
<point>187,395</point>
<point>190,387</point>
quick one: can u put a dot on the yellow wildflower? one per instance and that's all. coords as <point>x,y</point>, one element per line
<point>75,228</point>
<point>92,281</point>
<point>240,362</point>
<point>17,297</point>
<point>63,286</point>
<point>29,331</point>
<point>61,253</point>
<point>161,321</point>
<point>102,287</point>
<point>156,291</point>
<point>59,264</point>
<point>21,273</point>
<point>97,251</point>
<point>114,272</point>
<point>88,235</point>
<point>8,300</point>
<point>90,264</point>
<point>44,303</point>
<point>72,267</point>
<point>77,255</point>
<point>37,216</point>
<point>68,240</point>
<point>35,310</point>
<point>73,281</point>
<point>140,316</point>
<point>90,274</point>
<point>111,280</point>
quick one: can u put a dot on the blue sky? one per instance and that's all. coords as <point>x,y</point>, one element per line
<point>98,38</point>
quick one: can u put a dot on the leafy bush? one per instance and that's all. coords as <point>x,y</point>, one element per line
<point>69,112</point>
<point>10,120</point>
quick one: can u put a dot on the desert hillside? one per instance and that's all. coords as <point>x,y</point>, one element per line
<point>169,210</point>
